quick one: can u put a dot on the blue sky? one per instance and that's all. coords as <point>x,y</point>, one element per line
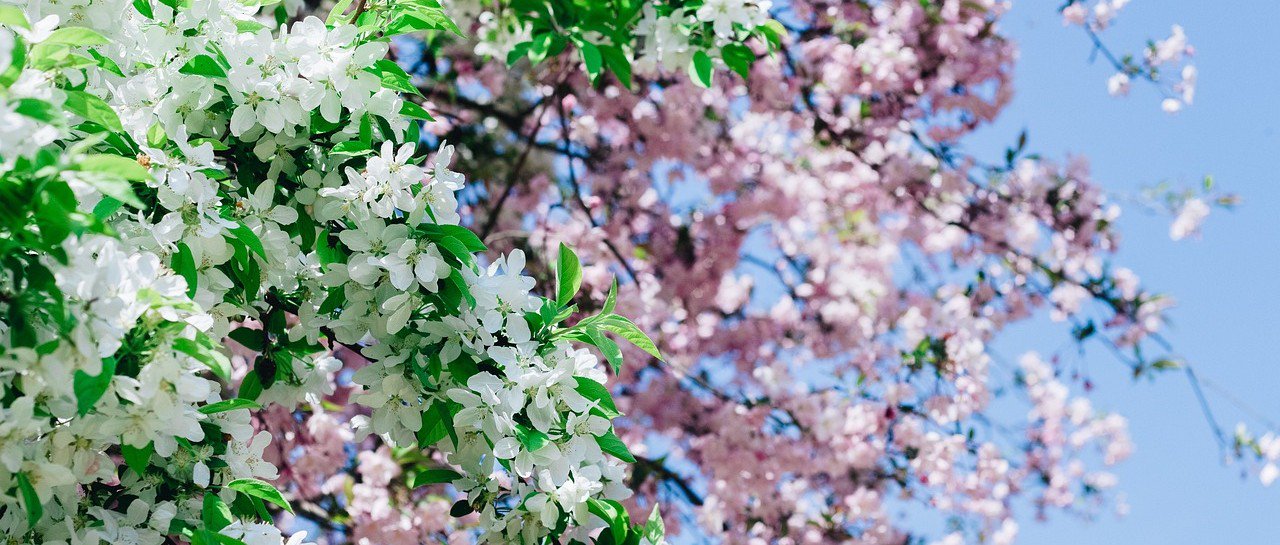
<point>1178,488</point>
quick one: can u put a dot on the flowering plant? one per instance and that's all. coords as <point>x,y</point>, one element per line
<point>245,286</point>
<point>179,173</point>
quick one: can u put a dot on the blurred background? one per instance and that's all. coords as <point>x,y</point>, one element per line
<point>1178,488</point>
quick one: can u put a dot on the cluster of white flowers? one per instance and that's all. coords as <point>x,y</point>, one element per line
<point>102,354</point>
<point>1170,55</point>
<point>57,434</point>
<point>1264,448</point>
<point>514,403</point>
<point>271,184</point>
<point>1191,215</point>
<point>22,134</point>
<point>668,43</point>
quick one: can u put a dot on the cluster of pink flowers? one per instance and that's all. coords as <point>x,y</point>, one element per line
<point>1172,54</point>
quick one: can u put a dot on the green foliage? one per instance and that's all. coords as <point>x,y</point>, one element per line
<point>229,405</point>
<point>425,477</point>
<point>594,391</point>
<point>30,501</point>
<point>568,276</point>
<point>89,389</point>
<point>215,513</point>
<point>255,488</point>
<point>611,444</point>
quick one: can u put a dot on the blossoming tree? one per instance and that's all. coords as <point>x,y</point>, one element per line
<point>180,174</point>
<point>245,290</point>
<point>783,192</point>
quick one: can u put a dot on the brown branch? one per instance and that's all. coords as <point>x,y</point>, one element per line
<point>513,174</point>
<point>577,194</point>
<point>665,474</point>
<point>360,7</point>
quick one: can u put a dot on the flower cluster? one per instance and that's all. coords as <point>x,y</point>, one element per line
<point>113,427</point>
<point>1264,448</point>
<point>1172,54</point>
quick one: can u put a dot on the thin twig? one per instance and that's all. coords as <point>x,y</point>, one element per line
<point>512,176</point>
<point>577,194</point>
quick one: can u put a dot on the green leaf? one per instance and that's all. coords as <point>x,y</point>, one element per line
<point>89,389</point>
<point>114,188</point>
<point>249,338</point>
<point>413,134</point>
<point>408,108</point>
<point>184,264</point>
<point>105,63</point>
<point>229,405</point>
<point>594,391</point>
<point>30,501</point>
<point>591,58</point>
<point>246,26</point>
<point>221,539</point>
<point>611,444</point>
<point>437,423</point>
<point>540,47</point>
<point>612,513</point>
<point>421,19</point>
<point>261,490</point>
<point>13,16</point>
<point>38,110</point>
<point>215,513</point>
<point>250,387</point>
<point>464,235</point>
<point>350,148</point>
<point>618,63</point>
<point>250,239</point>
<point>17,60</point>
<point>137,458</point>
<point>460,509</point>
<point>106,207</point>
<point>531,438</point>
<point>433,476</point>
<point>93,109</point>
<point>76,36</point>
<point>568,275</point>
<point>366,128</point>
<point>739,59</point>
<point>393,76</point>
<point>337,297</point>
<point>611,300</point>
<point>518,51</point>
<point>608,348</point>
<point>700,68</point>
<point>144,7</point>
<point>203,65</point>
<point>336,12</point>
<point>773,31</point>
<point>456,248</point>
<point>432,430</point>
<point>219,363</point>
<point>654,530</point>
<point>123,167</point>
<point>628,330</point>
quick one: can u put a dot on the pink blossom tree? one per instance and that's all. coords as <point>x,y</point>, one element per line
<point>788,204</point>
